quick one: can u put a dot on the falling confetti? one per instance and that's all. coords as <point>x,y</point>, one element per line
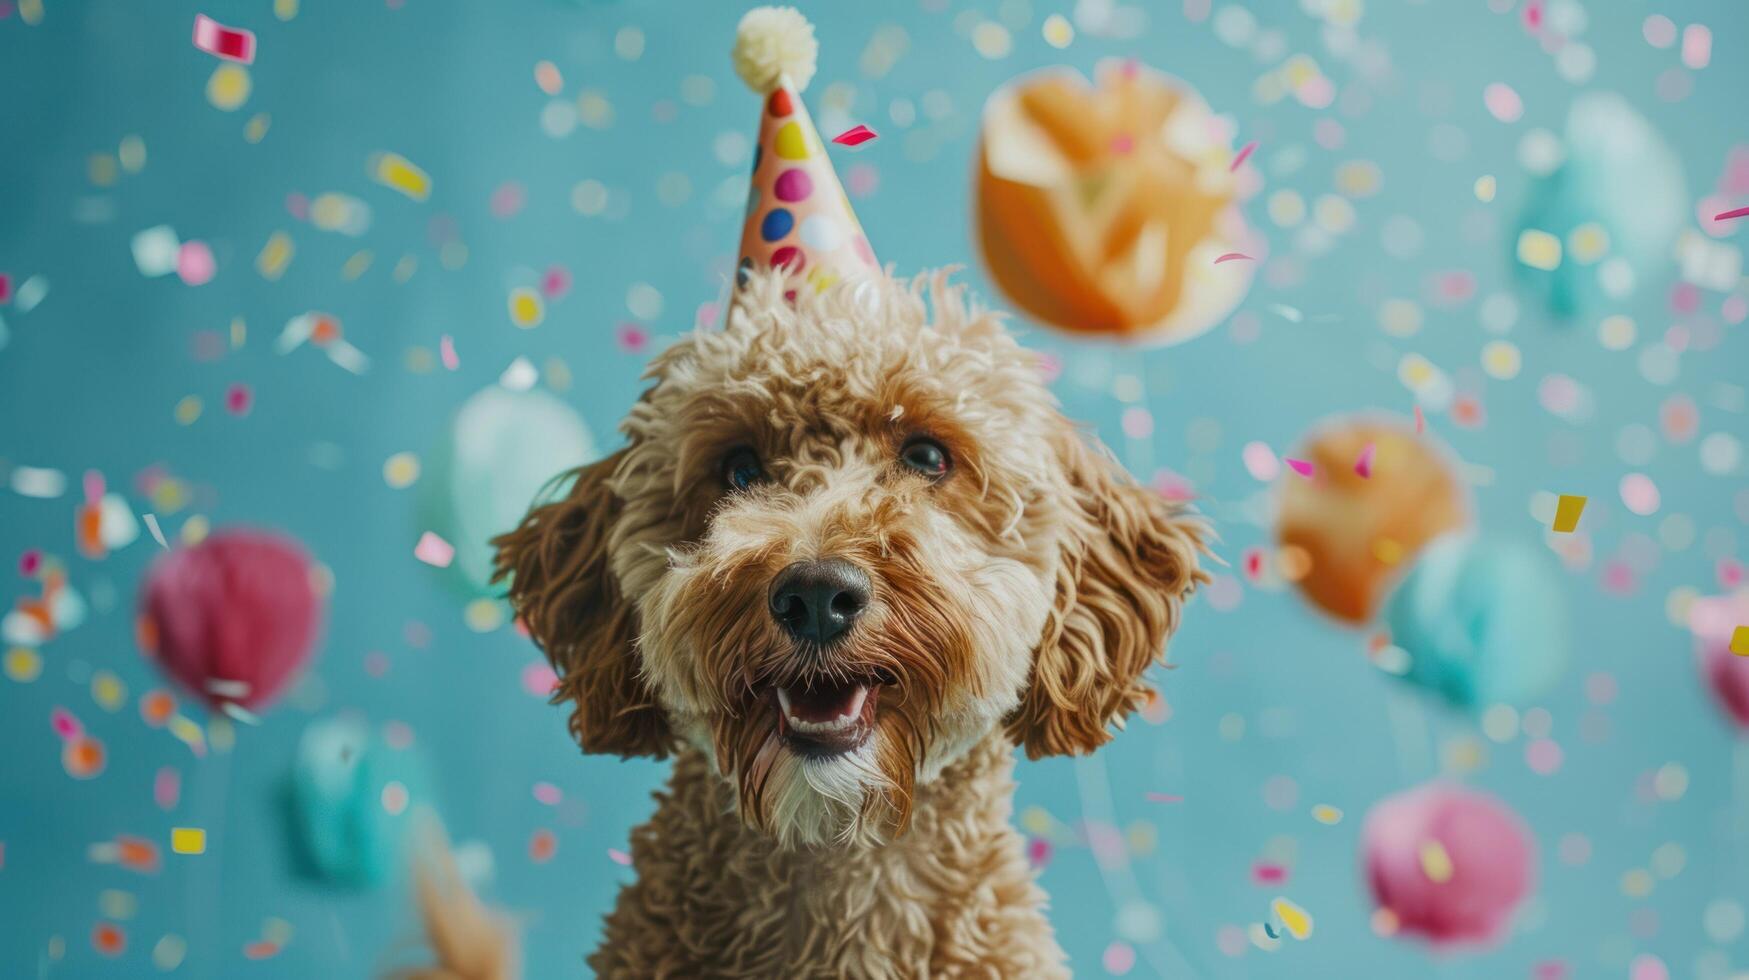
<point>855,136</point>
<point>229,43</point>
<point>1567,511</point>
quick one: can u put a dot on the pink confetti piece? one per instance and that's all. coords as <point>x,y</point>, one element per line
<point>93,483</point>
<point>1233,256</point>
<point>1266,873</point>
<point>29,562</point>
<point>446,351</point>
<point>1363,464</point>
<point>619,857</point>
<point>1244,154</point>
<point>508,199</point>
<point>1122,144</point>
<point>556,282</point>
<point>1697,46</point>
<point>1038,852</point>
<point>632,338</point>
<point>229,43</point>
<point>1728,215</point>
<point>1503,103</point>
<point>433,550</point>
<point>239,399</point>
<point>1162,798</point>
<point>195,264</point>
<point>5,288</point>
<point>539,680</point>
<point>1420,421</point>
<point>65,725</point>
<point>548,793</point>
<point>854,136</point>
<point>167,788</point>
<point>1299,466</point>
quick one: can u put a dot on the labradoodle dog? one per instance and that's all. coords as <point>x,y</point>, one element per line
<point>849,558</point>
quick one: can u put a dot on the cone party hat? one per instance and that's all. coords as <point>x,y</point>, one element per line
<point>798,218</point>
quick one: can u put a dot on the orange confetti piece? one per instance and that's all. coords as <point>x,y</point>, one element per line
<point>137,854</point>
<point>156,707</point>
<point>542,846</point>
<point>83,757</point>
<point>261,949</point>
<point>108,940</point>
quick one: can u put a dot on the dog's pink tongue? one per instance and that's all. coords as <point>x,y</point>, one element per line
<point>824,703</point>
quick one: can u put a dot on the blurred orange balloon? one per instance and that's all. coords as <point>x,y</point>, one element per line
<point>1359,533</point>
<point>1103,209</point>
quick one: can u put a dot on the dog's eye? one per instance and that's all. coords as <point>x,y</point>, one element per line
<point>926,456</point>
<point>741,469</point>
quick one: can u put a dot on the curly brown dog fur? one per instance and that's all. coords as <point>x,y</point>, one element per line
<point>1018,584</point>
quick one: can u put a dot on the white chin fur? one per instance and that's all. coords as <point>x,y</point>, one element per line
<point>819,800</point>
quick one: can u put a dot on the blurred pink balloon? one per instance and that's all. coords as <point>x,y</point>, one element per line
<point>232,618</point>
<point>1712,621</point>
<point>1451,864</point>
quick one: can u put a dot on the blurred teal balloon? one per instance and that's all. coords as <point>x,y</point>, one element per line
<point>500,451</point>
<point>1483,621</point>
<point>353,799</point>
<point>1616,173</point>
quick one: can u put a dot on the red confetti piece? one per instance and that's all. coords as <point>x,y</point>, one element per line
<point>1162,798</point>
<point>1363,465</point>
<point>1244,154</point>
<point>228,43</point>
<point>1300,466</point>
<point>29,562</point>
<point>1728,215</point>
<point>1232,256</point>
<point>5,288</point>
<point>855,136</point>
<point>446,350</point>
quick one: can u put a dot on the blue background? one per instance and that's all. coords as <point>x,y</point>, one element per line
<point>1266,689</point>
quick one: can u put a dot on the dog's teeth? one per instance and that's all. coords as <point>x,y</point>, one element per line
<point>783,703</point>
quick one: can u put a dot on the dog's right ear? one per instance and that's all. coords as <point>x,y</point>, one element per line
<point>562,588</point>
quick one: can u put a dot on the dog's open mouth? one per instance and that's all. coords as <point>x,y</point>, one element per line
<point>822,717</point>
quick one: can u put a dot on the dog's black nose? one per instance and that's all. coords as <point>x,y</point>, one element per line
<point>818,600</point>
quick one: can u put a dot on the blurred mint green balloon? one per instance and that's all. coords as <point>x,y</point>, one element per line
<point>1483,621</point>
<point>353,799</point>
<point>1617,173</point>
<point>501,450</point>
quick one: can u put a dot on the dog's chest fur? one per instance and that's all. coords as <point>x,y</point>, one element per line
<point>953,897</point>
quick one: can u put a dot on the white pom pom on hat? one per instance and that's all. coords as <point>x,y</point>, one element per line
<point>773,44</point>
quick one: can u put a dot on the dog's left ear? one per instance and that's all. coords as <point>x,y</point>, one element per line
<point>1128,560</point>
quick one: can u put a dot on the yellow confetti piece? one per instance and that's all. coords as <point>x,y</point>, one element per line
<point>1740,641</point>
<point>239,331</point>
<point>1501,359</point>
<point>23,664</point>
<point>356,265</point>
<point>1058,32</point>
<point>1637,883</point>
<point>108,690</point>
<point>188,409</point>
<point>188,840</point>
<point>30,11</point>
<point>221,734</point>
<point>167,954</point>
<point>1485,187</point>
<point>1435,862</point>
<point>101,169</point>
<point>1387,550</point>
<point>132,153</point>
<point>255,130</point>
<point>1539,250</point>
<point>194,530</point>
<point>228,88</point>
<point>401,470</point>
<point>526,309</point>
<point>285,9</point>
<point>1567,511</point>
<point>1037,821</point>
<point>1326,814</point>
<point>117,904</point>
<point>187,732</point>
<point>1297,920</point>
<point>396,171</point>
<point>405,268</point>
<point>483,615</point>
<point>275,256</point>
<point>1588,243</point>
